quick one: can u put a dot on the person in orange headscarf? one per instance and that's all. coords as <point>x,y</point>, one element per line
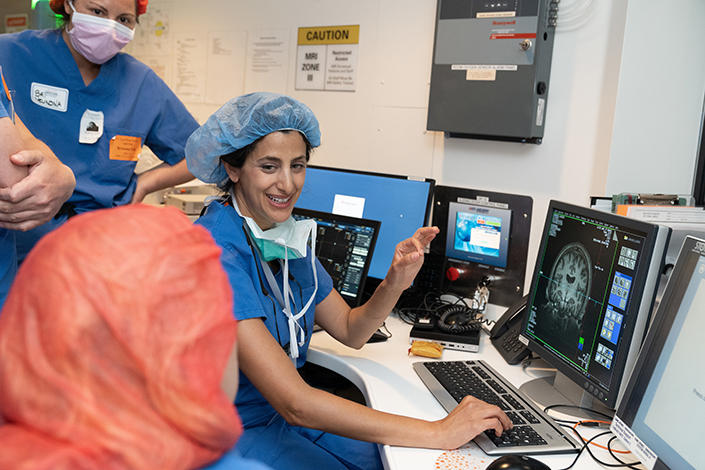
<point>118,349</point>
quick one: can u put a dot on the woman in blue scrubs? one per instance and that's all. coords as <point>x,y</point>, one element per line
<point>256,147</point>
<point>96,107</point>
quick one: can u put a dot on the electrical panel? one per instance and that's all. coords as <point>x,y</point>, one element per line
<point>491,67</point>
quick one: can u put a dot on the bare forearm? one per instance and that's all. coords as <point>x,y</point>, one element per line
<point>363,321</point>
<point>10,143</point>
<point>161,177</point>
<point>330,413</point>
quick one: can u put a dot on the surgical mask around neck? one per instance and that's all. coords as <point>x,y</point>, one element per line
<point>292,242</point>
<point>97,39</point>
<point>287,240</point>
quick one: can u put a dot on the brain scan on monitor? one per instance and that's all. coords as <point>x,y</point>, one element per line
<point>567,291</point>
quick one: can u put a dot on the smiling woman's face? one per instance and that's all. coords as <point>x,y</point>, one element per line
<point>270,181</point>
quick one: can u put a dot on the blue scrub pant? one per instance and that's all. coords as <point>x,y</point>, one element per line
<point>295,448</point>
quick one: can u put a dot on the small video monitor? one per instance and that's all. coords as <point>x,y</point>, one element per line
<point>478,234</point>
<point>344,246</point>
<point>484,235</point>
<point>660,417</point>
<point>591,296</point>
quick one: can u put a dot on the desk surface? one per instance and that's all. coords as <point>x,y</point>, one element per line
<point>383,373</point>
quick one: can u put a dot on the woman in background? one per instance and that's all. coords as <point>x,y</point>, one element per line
<point>118,349</point>
<point>96,107</point>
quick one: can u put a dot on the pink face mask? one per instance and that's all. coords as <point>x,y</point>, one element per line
<point>98,39</point>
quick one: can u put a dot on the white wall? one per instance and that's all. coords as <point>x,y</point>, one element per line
<point>660,99</point>
<point>381,126</point>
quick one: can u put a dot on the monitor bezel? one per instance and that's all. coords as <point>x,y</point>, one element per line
<point>691,252</point>
<point>635,320</point>
<point>375,224</point>
<point>373,282</point>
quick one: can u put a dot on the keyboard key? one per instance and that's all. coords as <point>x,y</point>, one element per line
<point>497,387</point>
<point>517,436</point>
<point>481,373</point>
<point>516,404</point>
<point>514,416</point>
<point>529,417</point>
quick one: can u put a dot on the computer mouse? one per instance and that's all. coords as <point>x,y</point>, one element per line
<point>517,462</point>
<point>377,337</point>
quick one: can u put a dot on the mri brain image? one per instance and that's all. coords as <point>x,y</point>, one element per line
<point>568,290</point>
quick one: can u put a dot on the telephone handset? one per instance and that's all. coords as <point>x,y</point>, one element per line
<point>505,333</point>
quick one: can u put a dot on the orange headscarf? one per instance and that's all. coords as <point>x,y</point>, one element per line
<point>113,343</point>
<point>58,6</point>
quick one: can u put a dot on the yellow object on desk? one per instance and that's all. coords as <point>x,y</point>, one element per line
<point>426,349</point>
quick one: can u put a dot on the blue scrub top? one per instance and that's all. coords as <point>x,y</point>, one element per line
<point>249,301</point>
<point>8,254</point>
<point>233,461</point>
<point>52,98</point>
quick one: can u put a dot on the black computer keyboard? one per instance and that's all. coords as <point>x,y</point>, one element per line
<point>533,431</point>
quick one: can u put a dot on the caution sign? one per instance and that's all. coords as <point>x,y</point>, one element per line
<point>327,58</point>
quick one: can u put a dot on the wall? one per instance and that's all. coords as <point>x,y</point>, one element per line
<point>381,126</point>
<point>660,100</point>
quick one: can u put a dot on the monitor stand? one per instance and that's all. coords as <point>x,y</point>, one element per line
<point>560,390</point>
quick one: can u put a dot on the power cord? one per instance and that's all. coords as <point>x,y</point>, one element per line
<point>573,426</point>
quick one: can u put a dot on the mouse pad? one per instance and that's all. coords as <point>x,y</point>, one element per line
<point>467,457</point>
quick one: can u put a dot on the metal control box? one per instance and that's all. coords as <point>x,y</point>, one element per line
<point>491,68</point>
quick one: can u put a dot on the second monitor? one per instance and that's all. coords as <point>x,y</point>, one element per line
<point>344,246</point>
<point>401,203</point>
<point>591,295</point>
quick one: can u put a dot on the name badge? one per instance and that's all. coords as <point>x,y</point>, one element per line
<point>50,97</point>
<point>126,148</point>
<point>91,127</point>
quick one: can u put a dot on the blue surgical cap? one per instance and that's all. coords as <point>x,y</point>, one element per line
<point>241,121</point>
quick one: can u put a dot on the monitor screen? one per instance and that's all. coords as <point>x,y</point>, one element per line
<point>591,295</point>
<point>402,205</point>
<point>483,235</point>
<point>344,246</point>
<point>479,234</point>
<point>664,404</point>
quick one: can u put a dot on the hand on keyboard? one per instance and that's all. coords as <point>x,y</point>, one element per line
<point>470,418</point>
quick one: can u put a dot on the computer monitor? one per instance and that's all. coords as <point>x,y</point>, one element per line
<point>590,300</point>
<point>401,203</point>
<point>484,235</point>
<point>344,246</point>
<point>659,419</point>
